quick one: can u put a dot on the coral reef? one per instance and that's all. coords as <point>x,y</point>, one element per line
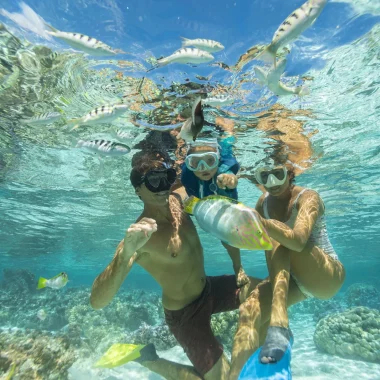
<point>363,295</point>
<point>35,355</point>
<point>159,335</point>
<point>354,334</point>
<point>224,326</point>
<point>318,308</point>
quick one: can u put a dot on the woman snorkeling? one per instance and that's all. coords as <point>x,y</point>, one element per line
<point>302,263</point>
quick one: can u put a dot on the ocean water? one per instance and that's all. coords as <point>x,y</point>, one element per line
<point>64,209</point>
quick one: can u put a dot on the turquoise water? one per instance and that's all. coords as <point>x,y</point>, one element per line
<point>63,209</point>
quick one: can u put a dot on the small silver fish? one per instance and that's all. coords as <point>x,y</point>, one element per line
<point>194,124</point>
<point>125,135</point>
<point>203,44</point>
<point>41,314</point>
<point>185,55</point>
<point>295,24</point>
<point>84,43</point>
<point>100,115</point>
<point>56,282</point>
<point>43,119</point>
<point>218,100</point>
<point>104,147</point>
<point>272,80</point>
<point>10,80</point>
<point>48,61</point>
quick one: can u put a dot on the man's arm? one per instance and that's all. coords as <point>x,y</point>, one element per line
<point>108,283</point>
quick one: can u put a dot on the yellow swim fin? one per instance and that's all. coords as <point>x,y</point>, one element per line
<point>119,354</point>
<point>189,204</point>
<point>41,283</point>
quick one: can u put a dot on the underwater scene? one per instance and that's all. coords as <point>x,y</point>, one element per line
<point>189,190</point>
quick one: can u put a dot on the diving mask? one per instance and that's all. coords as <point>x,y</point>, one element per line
<point>202,161</point>
<point>159,179</point>
<point>271,176</point>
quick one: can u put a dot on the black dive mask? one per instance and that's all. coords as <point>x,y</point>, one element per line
<point>159,180</point>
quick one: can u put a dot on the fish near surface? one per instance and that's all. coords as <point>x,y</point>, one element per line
<point>271,79</point>
<point>84,43</point>
<point>43,119</point>
<point>105,147</point>
<point>218,100</point>
<point>194,124</point>
<point>100,115</point>
<point>185,55</point>
<point>203,44</point>
<point>294,25</point>
<point>229,221</point>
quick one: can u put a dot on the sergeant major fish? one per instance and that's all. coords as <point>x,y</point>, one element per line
<point>203,44</point>
<point>185,55</point>
<point>84,43</point>
<point>100,115</point>
<point>292,27</point>
<point>272,80</point>
<point>104,147</point>
<point>194,124</point>
<point>229,221</point>
<point>218,100</point>
<point>57,282</point>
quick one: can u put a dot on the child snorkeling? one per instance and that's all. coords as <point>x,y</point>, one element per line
<point>208,172</point>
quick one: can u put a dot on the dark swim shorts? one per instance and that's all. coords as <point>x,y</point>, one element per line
<point>191,325</point>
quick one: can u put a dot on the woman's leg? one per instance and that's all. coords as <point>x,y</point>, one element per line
<point>317,272</point>
<point>254,319</point>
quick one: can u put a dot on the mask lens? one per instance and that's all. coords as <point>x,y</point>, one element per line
<point>278,173</point>
<point>160,180</point>
<point>264,176</point>
<point>205,161</point>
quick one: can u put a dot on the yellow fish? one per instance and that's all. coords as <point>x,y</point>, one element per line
<point>229,221</point>
<point>57,282</point>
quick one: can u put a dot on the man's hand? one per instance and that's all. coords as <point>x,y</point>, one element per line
<point>227,181</point>
<point>138,234</point>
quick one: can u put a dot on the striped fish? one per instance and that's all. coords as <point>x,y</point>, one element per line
<point>84,43</point>
<point>104,147</point>
<point>43,119</point>
<point>100,115</point>
<point>185,55</point>
<point>272,80</point>
<point>48,61</point>
<point>203,44</point>
<point>229,221</point>
<point>125,135</point>
<point>218,100</point>
<point>295,24</point>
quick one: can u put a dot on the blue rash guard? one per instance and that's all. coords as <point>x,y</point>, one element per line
<point>195,186</point>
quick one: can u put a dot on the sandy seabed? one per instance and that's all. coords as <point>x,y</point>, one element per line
<point>307,362</point>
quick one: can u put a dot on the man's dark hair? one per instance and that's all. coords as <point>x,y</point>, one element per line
<point>144,161</point>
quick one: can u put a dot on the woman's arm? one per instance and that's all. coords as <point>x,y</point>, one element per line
<point>310,206</point>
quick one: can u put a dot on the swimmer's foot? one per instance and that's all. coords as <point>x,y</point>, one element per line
<point>276,344</point>
<point>147,354</point>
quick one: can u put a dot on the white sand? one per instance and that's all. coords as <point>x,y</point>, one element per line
<point>307,362</point>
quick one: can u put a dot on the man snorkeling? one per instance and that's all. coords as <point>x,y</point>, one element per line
<point>164,241</point>
<point>207,172</point>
